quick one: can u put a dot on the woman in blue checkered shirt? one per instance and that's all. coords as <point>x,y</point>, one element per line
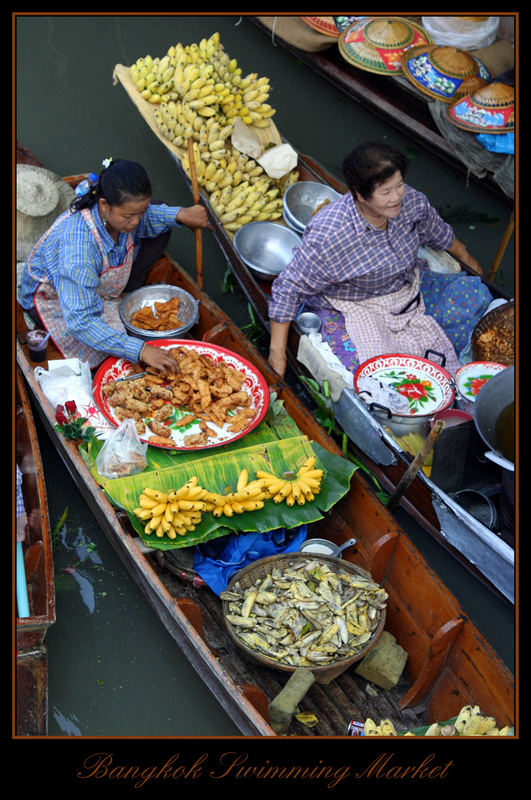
<point>102,247</point>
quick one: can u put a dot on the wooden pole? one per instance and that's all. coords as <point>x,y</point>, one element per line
<point>198,242</point>
<point>502,247</point>
<point>416,464</point>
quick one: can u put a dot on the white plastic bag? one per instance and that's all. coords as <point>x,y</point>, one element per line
<point>461,32</point>
<point>67,380</point>
<point>123,453</point>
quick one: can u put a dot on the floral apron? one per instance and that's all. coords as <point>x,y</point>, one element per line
<point>112,283</point>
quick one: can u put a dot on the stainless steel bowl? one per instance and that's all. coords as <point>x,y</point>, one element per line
<point>188,310</point>
<point>307,322</point>
<point>301,199</point>
<point>266,247</point>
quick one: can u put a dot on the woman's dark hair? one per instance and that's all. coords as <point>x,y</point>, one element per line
<point>118,183</point>
<point>370,164</point>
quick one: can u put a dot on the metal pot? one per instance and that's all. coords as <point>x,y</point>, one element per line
<point>494,417</point>
<point>398,423</point>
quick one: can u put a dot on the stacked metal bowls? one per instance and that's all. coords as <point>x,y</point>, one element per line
<point>302,199</point>
<point>159,293</point>
<point>266,247</point>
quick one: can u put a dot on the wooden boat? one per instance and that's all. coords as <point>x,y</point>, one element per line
<point>31,677</point>
<point>393,99</point>
<point>449,662</point>
<point>486,555</point>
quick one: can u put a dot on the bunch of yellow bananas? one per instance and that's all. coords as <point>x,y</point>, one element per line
<point>247,497</point>
<point>470,721</point>
<point>385,728</point>
<point>207,79</point>
<point>153,77</point>
<point>239,189</point>
<point>302,489</point>
<point>173,513</point>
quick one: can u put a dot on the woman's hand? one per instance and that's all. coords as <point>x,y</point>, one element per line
<point>194,217</point>
<point>159,359</point>
<point>277,346</point>
<point>278,361</point>
<point>459,251</point>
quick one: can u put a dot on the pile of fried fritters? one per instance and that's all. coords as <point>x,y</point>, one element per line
<point>203,389</point>
<point>163,318</point>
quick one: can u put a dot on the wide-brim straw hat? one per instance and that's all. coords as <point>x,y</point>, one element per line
<point>488,110</point>
<point>377,44</point>
<point>444,73</point>
<point>324,25</point>
<point>41,196</point>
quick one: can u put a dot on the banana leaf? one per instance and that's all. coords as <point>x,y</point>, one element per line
<point>218,471</point>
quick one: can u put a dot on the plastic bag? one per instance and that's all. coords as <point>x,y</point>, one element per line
<point>462,32</point>
<point>70,380</point>
<point>123,453</point>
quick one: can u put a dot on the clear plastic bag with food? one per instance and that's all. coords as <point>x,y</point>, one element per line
<point>123,453</point>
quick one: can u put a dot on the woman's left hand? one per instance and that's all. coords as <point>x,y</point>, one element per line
<point>194,217</point>
<point>459,251</point>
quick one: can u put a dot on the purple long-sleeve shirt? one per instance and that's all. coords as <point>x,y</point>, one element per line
<point>342,256</point>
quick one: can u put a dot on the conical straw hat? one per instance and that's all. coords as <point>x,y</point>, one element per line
<point>41,196</point>
<point>488,110</point>
<point>444,73</point>
<point>377,44</point>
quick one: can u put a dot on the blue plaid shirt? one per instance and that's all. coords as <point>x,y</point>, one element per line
<point>19,507</point>
<point>71,260</point>
<point>343,257</point>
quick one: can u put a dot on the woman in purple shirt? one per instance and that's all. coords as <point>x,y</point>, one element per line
<point>362,250</point>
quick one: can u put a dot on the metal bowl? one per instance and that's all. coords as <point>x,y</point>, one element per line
<point>266,247</point>
<point>301,199</point>
<point>159,293</point>
<point>308,322</point>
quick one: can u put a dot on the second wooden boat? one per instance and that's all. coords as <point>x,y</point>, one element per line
<point>31,661</point>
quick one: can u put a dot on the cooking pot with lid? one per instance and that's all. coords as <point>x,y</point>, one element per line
<point>422,386</point>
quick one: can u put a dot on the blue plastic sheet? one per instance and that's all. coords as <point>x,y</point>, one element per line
<point>497,142</point>
<point>217,561</point>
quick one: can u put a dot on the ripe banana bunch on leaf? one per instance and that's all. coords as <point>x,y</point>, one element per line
<point>302,489</point>
<point>247,497</point>
<point>470,721</point>
<point>172,513</point>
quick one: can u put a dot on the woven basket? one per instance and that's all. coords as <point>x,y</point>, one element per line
<point>258,570</point>
<point>493,336</point>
